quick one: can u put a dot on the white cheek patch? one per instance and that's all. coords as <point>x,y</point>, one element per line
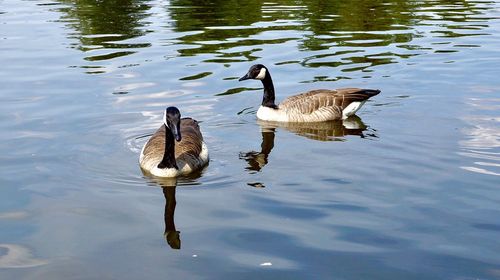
<point>165,118</point>
<point>262,74</point>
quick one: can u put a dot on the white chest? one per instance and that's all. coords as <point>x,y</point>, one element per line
<point>270,114</point>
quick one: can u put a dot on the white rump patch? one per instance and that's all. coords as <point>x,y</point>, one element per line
<point>262,74</point>
<point>351,109</point>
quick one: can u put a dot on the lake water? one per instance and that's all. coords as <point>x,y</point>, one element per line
<point>409,190</point>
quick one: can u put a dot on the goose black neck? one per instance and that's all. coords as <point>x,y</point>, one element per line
<point>268,99</point>
<point>168,160</point>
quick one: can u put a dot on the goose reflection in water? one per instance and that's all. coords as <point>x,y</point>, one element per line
<point>257,160</point>
<point>321,131</point>
<point>171,234</point>
<point>324,131</point>
<point>169,186</point>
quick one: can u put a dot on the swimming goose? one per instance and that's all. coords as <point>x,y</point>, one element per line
<point>313,106</point>
<point>176,148</point>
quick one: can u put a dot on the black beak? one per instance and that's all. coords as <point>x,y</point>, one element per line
<point>246,77</point>
<point>176,131</point>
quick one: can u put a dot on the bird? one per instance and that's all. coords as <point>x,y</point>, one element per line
<point>176,148</point>
<point>314,106</point>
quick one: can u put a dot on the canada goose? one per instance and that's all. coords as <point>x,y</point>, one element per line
<point>313,106</point>
<point>176,148</point>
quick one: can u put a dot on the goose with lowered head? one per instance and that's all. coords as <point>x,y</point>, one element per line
<point>313,106</point>
<point>176,148</point>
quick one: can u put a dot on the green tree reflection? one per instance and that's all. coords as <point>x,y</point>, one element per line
<point>339,27</point>
<point>103,24</point>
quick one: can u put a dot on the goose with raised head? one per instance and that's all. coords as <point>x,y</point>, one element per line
<point>313,106</point>
<point>176,148</point>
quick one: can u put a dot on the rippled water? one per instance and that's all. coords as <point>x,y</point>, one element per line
<point>409,190</point>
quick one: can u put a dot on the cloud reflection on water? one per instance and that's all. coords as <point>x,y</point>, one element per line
<point>482,136</point>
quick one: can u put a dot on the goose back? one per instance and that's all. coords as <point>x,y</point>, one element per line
<point>321,105</point>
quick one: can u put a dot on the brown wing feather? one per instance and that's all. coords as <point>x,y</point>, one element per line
<point>155,147</point>
<point>191,143</point>
<point>309,102</point>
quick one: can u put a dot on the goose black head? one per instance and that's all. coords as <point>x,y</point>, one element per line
<point>172,120</point>
<point>256,72</point>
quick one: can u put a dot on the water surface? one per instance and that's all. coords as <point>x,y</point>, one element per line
<point>408,190</point>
